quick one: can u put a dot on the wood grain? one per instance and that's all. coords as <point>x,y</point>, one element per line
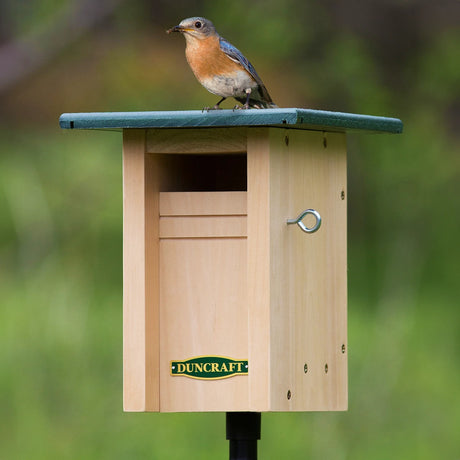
<point>202,295</point>
<point>203,227</point>
<point>140,276</point>
<point>308,309</point>
<point>296,282</point>
<point>227,277</point>
<point>202,141</point>
<point>203,312</point>
<point>258,263</point>
<point>203,203</point>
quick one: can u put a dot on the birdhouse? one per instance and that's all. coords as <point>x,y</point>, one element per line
<point>234,257</point>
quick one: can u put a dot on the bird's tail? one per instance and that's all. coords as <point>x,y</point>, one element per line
<point>266,100</point>
<point>257,104</point>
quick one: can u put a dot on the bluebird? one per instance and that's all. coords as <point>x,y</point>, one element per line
<point>220,67</point>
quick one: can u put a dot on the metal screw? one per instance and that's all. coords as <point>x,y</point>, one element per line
<point>305,368</point>
<point>286,140</point>
<point>326,368</point>
<point>289,394</point>
<point>343,348</point>
<point>342,195</point>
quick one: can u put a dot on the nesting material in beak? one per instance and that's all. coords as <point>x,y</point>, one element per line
<point>174,29</point>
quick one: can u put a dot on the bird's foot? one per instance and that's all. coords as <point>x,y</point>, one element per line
<point>241,107</point>
<point>207,109</point>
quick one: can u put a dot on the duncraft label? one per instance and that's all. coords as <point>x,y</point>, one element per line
<point>209,367</point>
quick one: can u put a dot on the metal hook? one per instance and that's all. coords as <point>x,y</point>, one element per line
<point>303,227</point>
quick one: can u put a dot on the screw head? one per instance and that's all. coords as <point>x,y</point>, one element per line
<point>326,368</point>
<point>342,194</point>
<point>343,348</point>
<point>305,368</point>
<point>289,394</point>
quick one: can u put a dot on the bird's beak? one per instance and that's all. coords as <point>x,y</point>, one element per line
<point>177,29</point>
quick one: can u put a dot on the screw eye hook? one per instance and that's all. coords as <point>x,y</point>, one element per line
<point>303,227</point>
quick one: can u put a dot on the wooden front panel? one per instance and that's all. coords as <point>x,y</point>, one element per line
<point>203,303</point>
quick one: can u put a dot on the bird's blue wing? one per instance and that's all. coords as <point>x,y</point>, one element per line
<point>236,55</point>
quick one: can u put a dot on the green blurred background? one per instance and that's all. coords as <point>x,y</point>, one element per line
<point>61,219</point>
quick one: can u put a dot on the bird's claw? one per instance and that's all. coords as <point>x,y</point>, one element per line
<point>207,109</point>
<point>241,107</point>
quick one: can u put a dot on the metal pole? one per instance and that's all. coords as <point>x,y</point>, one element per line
<point>243,432</point>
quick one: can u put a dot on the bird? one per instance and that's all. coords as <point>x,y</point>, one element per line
<point>220,67</point>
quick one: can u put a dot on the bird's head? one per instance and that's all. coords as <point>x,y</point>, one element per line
<point>194,28</point>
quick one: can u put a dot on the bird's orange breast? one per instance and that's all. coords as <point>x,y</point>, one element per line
<point>206,59</point>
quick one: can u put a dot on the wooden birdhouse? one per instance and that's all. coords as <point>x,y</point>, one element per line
<point>234,257</point>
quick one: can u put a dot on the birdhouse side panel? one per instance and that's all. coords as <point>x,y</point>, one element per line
<point>308,272</point>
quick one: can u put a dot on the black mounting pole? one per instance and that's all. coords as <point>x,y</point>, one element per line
<point>243,432</point>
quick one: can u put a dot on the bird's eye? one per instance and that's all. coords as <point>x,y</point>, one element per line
<point>198,24</point>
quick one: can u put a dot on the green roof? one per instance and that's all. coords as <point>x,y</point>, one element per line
<point>294,118</point>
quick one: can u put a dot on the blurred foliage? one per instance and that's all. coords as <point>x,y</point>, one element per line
<point>61,219</point>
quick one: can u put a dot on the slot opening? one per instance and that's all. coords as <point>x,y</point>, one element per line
<point>203,172</point>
